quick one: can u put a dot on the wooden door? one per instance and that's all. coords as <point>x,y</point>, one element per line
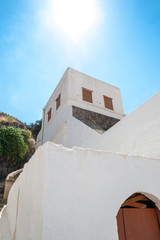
<point>138,224</point>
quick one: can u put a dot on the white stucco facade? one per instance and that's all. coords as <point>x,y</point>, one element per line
<point>137,133</point>
<point>66,194</point>
<point>70,88</point>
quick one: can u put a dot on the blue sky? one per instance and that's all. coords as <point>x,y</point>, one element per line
<point>122,48</point>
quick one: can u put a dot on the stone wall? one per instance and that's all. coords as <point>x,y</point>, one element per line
<point>6,167</point>
<point>96,121</point>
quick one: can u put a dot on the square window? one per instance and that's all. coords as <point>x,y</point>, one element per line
<point>108,102</point>
<point>49,114</point>
<point>58,101</point>
<point>87,95</point>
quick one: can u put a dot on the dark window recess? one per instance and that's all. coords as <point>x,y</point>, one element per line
<point>108,102</point>
<point>49,114</point>
<point>58,101</point>
<point>87,95</point>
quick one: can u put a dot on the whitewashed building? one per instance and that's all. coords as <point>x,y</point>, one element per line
<point>79,105</point>
<point>104,184</point>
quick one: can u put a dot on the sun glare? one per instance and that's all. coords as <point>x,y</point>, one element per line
<point>74,17</point>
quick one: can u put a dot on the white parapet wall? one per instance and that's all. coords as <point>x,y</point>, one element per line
<point>75,194</point>
<point>136,133</point>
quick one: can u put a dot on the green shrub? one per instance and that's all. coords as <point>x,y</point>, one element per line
<point>35,128</point>
<point>14,143</point>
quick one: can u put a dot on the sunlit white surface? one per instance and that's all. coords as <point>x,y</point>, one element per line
<point>75,17</point>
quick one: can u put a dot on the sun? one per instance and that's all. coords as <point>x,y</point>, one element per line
<point>74,17</point>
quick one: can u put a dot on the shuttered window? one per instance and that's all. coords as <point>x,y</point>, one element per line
<point>87,95</point>
<point>49,114</point>
<point>108,102</point>
<point>58,101</point>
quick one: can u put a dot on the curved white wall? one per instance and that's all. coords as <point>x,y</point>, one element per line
<point>67,194</point>
<point>25,207</point>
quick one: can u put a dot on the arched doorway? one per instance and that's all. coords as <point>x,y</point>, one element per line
<point>138,219</point>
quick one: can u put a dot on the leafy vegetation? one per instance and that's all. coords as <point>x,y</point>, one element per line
<point>14,143</point>
<point>35,128</point>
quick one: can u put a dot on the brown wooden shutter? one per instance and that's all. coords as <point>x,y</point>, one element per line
<point>108,102</point>
<point>49,114</point>
<point>58,101</point>
<point>87,95</point>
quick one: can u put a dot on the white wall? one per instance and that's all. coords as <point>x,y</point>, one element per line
<point>77,80</point>
<point>75,133</point>
<point>62,88</point>
<point>137,133</point>
<point>70,88</point>
<point>60,118</point>
<point>25,205</point>
<point>64,129</point>
<point>79,134</point>
<point>68,194</point>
